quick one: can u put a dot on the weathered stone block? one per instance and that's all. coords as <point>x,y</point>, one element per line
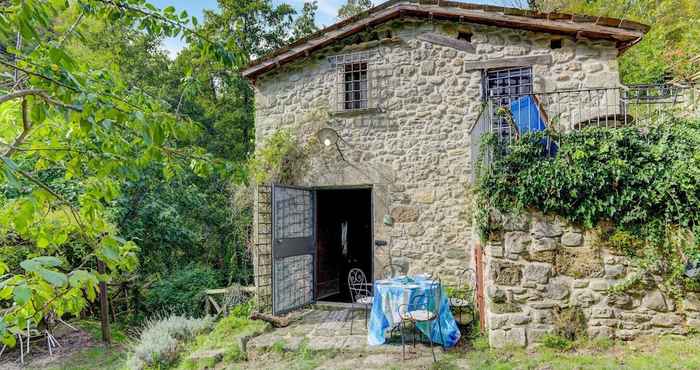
<point>538,273</point>
<point>496,294</point>
<point>598,285</point>
<point>543,244</point>
<point>620,300</point>
<point>506,338</point>
<point>505,273</point>
<point>614,271</point>
<point>515,222</point>
<point>546,256</point>
<point>519,319</point>
<point>516,242</point>
<point>497,321</point>
<point>427,68</point>
<point>571,239</point>
<point>691,302</point>
<point>403,214</point>
<point>585,298</point>
<point>578,284</point>
<point>425,197</point>
<point>666,320</point>
<point>601,332</point>
<point>602,313</point>
<point>578,262</point>
<point>655,301</point>
<point>557,291</point>
<point>546,229</point>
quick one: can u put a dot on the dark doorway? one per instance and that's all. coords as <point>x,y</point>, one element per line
<point>344,240</point>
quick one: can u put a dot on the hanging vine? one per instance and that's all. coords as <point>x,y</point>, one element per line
<point>646,182</point>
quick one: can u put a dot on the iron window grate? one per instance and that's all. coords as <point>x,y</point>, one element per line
<point>353,80</point>
<point>502,87</point>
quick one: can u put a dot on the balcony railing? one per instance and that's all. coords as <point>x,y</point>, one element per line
<point>511,116</point>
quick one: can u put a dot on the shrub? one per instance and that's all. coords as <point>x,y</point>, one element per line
<point>556,342</point>
<point>160,341</point>
<point>181,292</point>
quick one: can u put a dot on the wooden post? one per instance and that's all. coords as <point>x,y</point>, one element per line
<point>104,306</point>
<point>480,302</point>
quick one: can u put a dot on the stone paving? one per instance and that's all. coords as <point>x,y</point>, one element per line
<point>329,330</point>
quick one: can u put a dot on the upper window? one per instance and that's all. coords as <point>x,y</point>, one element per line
<point>353,80</point>
<point>507,84</point>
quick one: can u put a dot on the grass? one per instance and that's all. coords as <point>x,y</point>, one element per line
<point>665,352</point>
<point>91,358</point>
<point>96,357</point>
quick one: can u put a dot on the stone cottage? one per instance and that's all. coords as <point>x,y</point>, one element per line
<point>387,103</point>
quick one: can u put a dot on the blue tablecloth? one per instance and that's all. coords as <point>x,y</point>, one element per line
<point>390,294</point>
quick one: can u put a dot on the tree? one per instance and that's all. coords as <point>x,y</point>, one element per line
<point>71,136</point>
<point>353,7</point>
<point>670,49</point>
<point>305,24</point>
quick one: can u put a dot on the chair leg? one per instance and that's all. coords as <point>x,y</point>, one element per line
<point>366,312</point>
<point>403,342</point>
<point>430,339</point>
<point>416,333</point>
<point>352,314</point>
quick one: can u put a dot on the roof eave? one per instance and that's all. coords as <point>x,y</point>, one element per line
<point>565,24</point>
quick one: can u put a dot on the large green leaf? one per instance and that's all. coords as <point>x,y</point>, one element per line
<point>22,294</point>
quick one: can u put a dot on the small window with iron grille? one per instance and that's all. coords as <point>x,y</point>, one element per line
<point>353,81</point>
<point>505,85</point>
<point>502,87</point>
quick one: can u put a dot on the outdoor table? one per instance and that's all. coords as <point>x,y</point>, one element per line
<point>390,294</point>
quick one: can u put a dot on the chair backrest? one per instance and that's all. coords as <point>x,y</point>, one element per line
<point>429,300</point>
<point>465,279</point>
<point>392,270</point>
<point>357,282</point>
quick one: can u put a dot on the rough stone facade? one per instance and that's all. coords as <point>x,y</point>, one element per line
<point>413,147</point>
<point>539,266</point>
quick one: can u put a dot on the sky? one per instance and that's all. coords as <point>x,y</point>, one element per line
<point>325,16</point>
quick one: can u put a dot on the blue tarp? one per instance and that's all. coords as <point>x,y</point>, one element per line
<point>390,294</point>
<point>528,118</point>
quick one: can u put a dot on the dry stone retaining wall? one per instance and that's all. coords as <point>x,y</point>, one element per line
<point>538,267</point>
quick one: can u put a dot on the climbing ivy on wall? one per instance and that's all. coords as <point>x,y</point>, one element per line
<point>644,181</point>
<point>280,159</point>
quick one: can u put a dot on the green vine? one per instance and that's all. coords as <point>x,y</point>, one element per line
<point>280,159</point>
<point>645,181</point>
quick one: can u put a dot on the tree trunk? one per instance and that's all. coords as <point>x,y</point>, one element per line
<point>104,307</point>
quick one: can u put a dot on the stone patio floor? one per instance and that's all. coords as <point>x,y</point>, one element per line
<point>329,331</point>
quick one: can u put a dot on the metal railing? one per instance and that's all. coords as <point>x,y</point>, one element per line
<point>511,116</point>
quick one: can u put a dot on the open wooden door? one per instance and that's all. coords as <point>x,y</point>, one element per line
<point>293,249</point>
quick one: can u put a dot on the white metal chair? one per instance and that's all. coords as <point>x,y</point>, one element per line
<point>360,292</point>
<point>462,297</point>
<point>422,308</point>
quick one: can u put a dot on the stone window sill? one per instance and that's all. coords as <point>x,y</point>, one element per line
<point>355,112</point>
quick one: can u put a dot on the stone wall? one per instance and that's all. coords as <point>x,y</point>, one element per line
<point>538,267</point>
<point>414,148</point>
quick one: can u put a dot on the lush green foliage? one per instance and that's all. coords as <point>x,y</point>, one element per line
<point>72,134</point>
<point>646,181</point>
<point>353,7</point>
<point>182,291</point>
<point>670,49</point>
<point>108,143</point>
